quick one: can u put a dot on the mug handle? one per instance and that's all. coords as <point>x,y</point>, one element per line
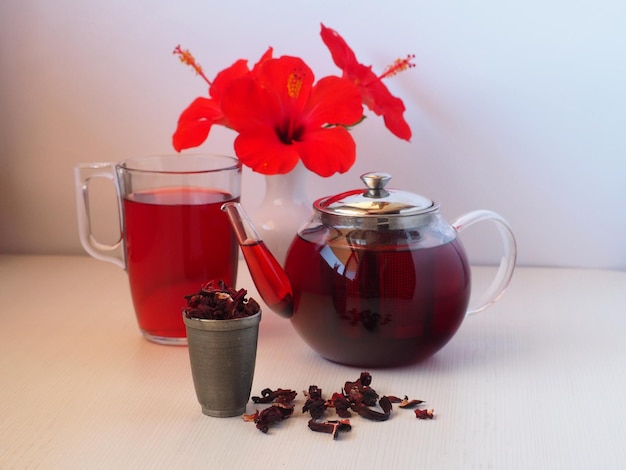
<point>507,263</point>
<point>82,176</point>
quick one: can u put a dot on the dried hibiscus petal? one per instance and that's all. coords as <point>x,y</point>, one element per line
<point>331,427</point>
<point>269,416</point>
<point>369,413</point>
<point>341,404</point>
<point>279,395</point>
<point>364,380</point>
<point>405,402</point>
<point>315,404</point>
<point>359,392</point>
<point>369,397</point>
<point>251,418</point>
<point>424,414</point>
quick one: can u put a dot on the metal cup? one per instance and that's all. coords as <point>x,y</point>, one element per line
<point>222,354</point>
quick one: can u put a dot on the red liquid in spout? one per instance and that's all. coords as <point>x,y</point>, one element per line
<point>269,278</point>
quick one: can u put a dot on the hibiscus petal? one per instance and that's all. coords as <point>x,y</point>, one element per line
<point>383,103</point>
<point>238,69</point>
<point>395,122</point>
<point>267,55</point>
<point>334,100</point>
<point>290,79</point>
<point>261,150</point>
<point>246,105</point>
<point>342,54</point>
<point>223,79</point>
<point>195,123</point>
<point>328,151</point>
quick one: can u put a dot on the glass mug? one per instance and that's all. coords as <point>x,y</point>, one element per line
<point>174,237</point>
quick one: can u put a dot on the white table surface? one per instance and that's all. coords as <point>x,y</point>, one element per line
<point>536,381</point>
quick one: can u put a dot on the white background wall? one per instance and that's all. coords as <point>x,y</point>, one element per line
<point>517,106</point>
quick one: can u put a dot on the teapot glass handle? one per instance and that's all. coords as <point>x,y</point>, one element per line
<point>507,262</point>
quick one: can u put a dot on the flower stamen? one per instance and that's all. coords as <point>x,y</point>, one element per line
<point>294,84</point>
<point>399,65</point>
<point>187,58</point>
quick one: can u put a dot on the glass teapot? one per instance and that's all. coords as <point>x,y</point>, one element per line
<point>377,278</point>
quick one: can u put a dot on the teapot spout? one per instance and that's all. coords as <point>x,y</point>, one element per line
<point>267,274</point>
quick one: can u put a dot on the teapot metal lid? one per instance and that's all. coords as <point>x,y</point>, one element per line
<point>375,201</point>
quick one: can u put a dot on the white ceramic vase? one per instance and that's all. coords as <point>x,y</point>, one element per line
<point>284,209</point>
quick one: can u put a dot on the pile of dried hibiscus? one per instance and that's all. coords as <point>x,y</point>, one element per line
<point>217,301</point>
<point>356,397</point>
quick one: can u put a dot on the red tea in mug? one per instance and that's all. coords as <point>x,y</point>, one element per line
<point>177,239</point>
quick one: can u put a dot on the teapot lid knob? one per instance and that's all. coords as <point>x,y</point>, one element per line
<point>376,183</point>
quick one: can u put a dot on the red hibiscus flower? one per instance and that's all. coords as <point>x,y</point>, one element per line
<point>374,93</point>
<point>195,122</point>
<point>282,117</point>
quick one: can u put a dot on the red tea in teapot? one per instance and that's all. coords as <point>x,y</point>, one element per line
<point>383,305</point>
